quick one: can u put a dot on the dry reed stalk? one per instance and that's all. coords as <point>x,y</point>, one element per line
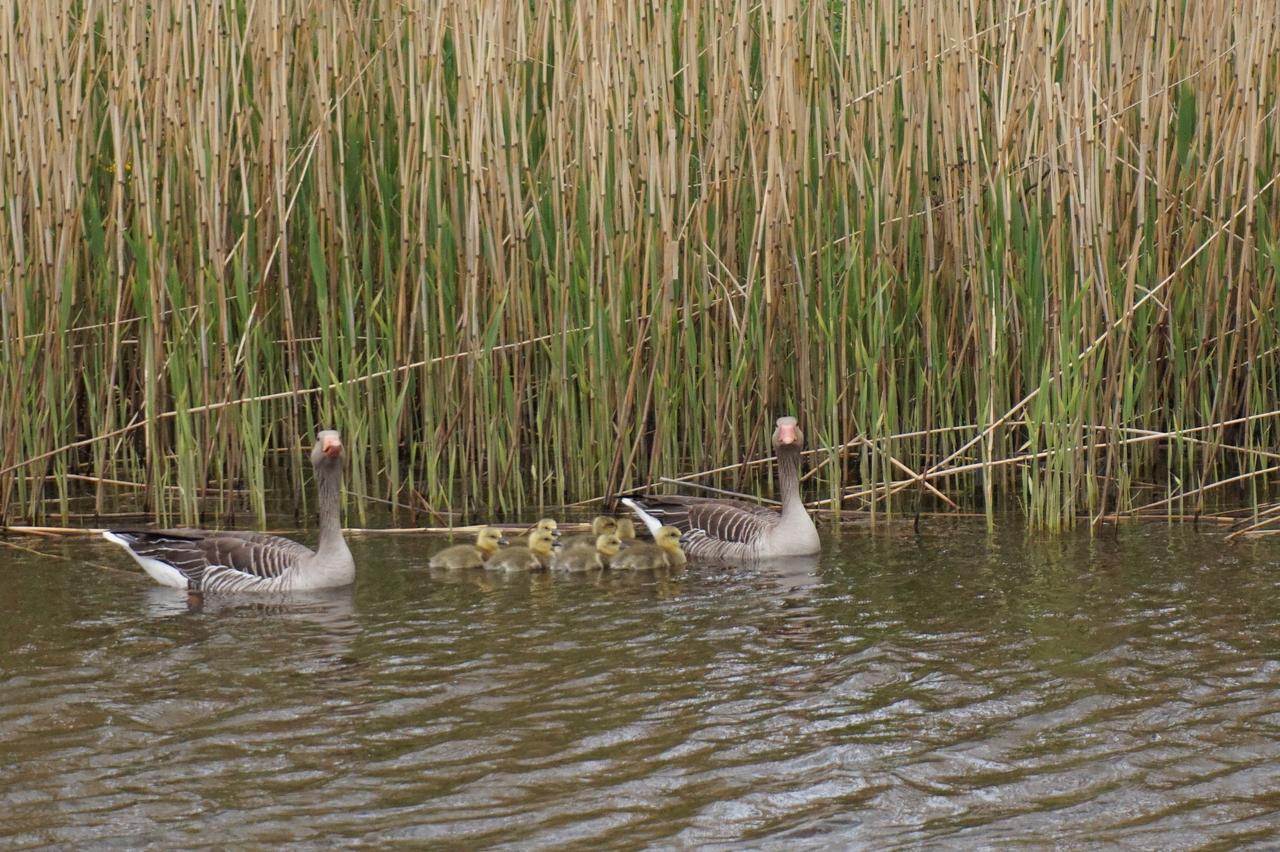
<point>525,253</point>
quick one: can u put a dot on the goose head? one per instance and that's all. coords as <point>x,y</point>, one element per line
<point>626,528</point>
<point>600,525</point>
<point>488,539</point>
<point>788,434</point>
<point>547,525</point>
<point>327,454</point>
<point>608,545</point>
<point>540,542</point>
<point>668,538</point>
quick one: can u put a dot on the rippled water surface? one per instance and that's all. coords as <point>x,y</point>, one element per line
<point>945,689</point>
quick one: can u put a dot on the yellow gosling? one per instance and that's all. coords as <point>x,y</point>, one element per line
<point>470,555</point>
<point>547,524</point>
<point>533,557</point>
<point>665,552</point>
<point>588,559</point>
<point>600,525</point>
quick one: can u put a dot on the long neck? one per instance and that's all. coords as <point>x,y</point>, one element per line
<point>329,480</point>
<point>789,480</point>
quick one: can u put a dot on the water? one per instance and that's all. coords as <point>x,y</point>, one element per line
<point>947,689</point>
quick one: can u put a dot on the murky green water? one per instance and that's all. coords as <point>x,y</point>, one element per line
<point>944,689</point>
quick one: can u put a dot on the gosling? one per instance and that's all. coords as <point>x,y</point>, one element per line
<point>600,525</point>
<point>548,524</point>
<point>469,555</point>
<point>665,552</point>
<point>577,559</point>
<point>534,557</point>
<point>626,531</point>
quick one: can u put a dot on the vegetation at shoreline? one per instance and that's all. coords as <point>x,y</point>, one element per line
<point>998,252</point>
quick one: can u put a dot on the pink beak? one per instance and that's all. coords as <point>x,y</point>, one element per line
<point>787,434</point>
<point>331,447</point>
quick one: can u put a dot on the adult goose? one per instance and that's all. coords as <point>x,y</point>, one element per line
<point>734,529</point>
<point>212,561</point>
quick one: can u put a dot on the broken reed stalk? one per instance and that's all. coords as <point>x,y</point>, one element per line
<point>1144,436</point>
<point>737,495</point>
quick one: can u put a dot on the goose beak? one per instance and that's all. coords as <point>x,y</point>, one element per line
<point>787,433</point>
<point>331,447</point>
<point>503,540</point>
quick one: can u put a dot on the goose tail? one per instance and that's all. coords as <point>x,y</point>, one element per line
<point>161,572</point>
<point>652,523</point>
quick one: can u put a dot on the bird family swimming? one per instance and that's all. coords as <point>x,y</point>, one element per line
<point>227,561</point>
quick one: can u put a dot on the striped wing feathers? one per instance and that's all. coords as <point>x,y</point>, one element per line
<point>712,527</point>
<point>258,554</point>
<point>218,560</point>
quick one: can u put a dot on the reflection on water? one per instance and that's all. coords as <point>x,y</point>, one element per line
<point>951,689</point>
<point>330,608</point>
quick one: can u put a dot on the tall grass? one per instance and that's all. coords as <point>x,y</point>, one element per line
<point>1001,252</point>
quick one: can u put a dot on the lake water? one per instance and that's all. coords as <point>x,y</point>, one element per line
<point>945,689</point>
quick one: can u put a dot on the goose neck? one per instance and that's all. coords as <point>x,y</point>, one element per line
<point>329,480</point>
<point>789,479</point>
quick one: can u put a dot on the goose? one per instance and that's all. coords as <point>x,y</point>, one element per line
<point>588,559</point>
<point>665,552</point>
<point>735,529</point>
<point>548,524</point>
<point>469,555</point>
<point>600,525</point>
<point>533,557</point>
<point>213,561</point>
<point>626,531</point>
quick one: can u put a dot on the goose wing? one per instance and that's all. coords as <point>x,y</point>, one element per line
<point>208,560</point>
<point>701,518</point>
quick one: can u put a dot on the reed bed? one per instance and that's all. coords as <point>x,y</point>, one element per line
<point>994,253</point>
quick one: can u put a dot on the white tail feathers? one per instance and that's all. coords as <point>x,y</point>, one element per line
<point>649,521</point>
<point>162,572</point>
